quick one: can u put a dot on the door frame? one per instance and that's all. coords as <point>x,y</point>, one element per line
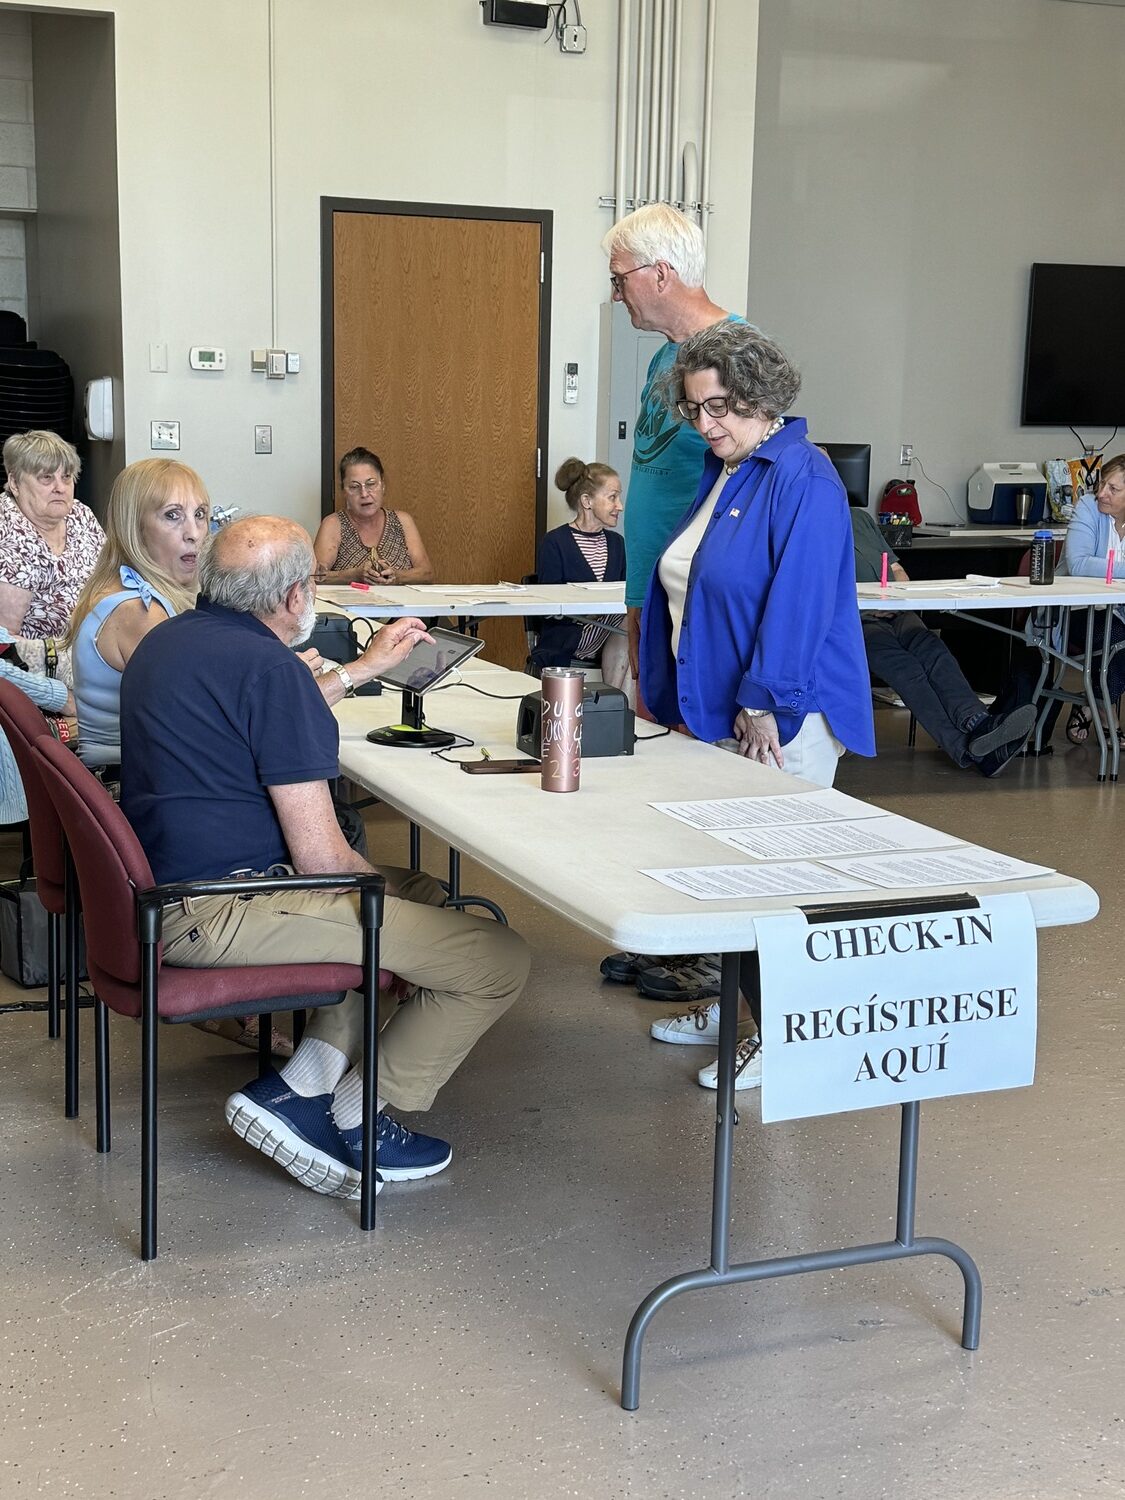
<point>329,208</point>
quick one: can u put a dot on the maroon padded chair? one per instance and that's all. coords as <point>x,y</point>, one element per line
<point>124,910</point>
<point>23,724</point>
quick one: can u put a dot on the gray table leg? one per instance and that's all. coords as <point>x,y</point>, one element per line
<point>720,1273</point>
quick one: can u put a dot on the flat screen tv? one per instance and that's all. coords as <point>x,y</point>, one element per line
<point>1074,374</point>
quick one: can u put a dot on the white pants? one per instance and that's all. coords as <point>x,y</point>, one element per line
<point>812,754</point>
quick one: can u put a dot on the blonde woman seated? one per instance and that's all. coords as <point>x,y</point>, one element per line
<point>365,542</point>
<point>587,549</point>
<point>158,515</point>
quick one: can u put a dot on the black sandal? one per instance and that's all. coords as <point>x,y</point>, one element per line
<point>1078,725</point>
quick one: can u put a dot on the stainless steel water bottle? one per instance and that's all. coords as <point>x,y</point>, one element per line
<point>1042,558</point>
<point>560,745</point>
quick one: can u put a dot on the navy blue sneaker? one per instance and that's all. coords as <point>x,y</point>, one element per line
<point>400,1154</point>
<point>297,1133</point>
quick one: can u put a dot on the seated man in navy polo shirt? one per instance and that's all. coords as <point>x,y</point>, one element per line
<point>228,744</point>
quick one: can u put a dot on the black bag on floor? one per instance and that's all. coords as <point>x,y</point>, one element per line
<point>23,935</point>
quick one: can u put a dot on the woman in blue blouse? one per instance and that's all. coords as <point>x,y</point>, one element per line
<point>750,635</point>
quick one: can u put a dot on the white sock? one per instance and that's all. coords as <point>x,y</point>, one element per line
<point>347,1102</point>
<point>315,1068</point>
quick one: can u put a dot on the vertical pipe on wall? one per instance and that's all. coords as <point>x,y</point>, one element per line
<point>674,190</point>
<point>272,85</point>
<point>652,179</point>
<point>708,104</point>
<point>620,142</point>
<point>663,99</point>
<point>643,7</point>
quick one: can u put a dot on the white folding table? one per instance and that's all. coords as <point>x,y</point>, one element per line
<point>1051,604</point>
<point>581,855</point>
<point>490,600</point>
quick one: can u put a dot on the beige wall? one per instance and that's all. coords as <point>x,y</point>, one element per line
<point>17,158</point>
<point>375,99</point>
<point>77,260</point>
<point>912,160</point>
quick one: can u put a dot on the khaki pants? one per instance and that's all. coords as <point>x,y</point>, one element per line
<point>466,970</point>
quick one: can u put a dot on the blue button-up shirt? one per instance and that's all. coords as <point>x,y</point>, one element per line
<point>770,618</point>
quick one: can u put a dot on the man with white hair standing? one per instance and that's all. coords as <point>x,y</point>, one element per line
<point>657,262</point>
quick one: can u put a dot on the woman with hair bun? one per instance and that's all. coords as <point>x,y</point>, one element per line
<point>587,549</point>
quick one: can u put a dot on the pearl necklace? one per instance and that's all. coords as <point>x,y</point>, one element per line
<point>775,427</point>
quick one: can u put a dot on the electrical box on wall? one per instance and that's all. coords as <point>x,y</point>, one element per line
<point>625,355</point>
<point>515,13</point>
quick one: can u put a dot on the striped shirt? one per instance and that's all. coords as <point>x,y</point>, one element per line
<point>595,549</point>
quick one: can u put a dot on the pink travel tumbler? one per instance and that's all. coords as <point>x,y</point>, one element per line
<point>560,744</point>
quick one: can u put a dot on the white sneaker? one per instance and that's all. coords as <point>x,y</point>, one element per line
<point>696,1027</point>
<point>747,1067</point>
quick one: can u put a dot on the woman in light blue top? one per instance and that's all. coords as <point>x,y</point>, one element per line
<point>157,518</point>
<point>1097,528</point>
<point>155,525</point>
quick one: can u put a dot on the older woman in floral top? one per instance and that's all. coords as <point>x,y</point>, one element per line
<point>49,542</point>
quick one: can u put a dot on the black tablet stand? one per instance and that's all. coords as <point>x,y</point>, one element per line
<point>412,733</point>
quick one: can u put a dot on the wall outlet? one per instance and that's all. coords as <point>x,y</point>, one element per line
<point>906,455</point>
<point>164,436</point>
<point>572,39</point>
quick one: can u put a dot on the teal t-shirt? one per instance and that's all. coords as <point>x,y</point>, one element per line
<point>667,465</point>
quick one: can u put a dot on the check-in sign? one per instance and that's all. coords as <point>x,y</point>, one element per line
<point>881,1010</point>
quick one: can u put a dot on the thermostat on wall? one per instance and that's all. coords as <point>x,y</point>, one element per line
<point>201,358</point>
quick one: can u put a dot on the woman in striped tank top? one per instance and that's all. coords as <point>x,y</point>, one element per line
<point>365,542</point>
<point>587,549</point>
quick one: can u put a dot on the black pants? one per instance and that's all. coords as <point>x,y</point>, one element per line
<point>906,655</point>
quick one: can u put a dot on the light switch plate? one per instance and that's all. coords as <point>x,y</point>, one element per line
<point>164,435</point>
<point>158,358</point>
<point>263,439</point>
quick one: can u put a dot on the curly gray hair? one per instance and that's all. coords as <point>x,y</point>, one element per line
<point>759,378</point>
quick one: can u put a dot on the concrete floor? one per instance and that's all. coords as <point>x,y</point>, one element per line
<point>471,1345</point>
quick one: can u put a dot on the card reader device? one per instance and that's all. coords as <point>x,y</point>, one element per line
<point>607,723</point>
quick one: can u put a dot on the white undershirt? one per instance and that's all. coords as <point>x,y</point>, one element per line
<point>676,559</point>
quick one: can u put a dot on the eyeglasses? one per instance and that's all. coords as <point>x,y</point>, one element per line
<point>617,278</point>
<point>714,406</point>
<point>368,486</point>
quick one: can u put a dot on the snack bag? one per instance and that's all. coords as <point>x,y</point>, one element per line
<point>1060,491</point>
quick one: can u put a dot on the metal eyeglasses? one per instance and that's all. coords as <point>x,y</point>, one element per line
<point>617,278</point>
<point>714,406</point>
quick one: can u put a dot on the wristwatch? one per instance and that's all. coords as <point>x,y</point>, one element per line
<point>345,677</point>
<point>756,713</point>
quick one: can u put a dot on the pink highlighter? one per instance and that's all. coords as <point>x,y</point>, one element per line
<point>883,579</point>
<point>1109,564</point>
<point>363,586</point>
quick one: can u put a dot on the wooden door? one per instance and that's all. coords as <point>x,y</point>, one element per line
<point>438,348</point>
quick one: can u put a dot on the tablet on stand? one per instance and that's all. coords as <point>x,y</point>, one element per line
<point>426,667</point>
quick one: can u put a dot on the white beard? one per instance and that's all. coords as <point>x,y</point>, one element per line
<point>307,623</point>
